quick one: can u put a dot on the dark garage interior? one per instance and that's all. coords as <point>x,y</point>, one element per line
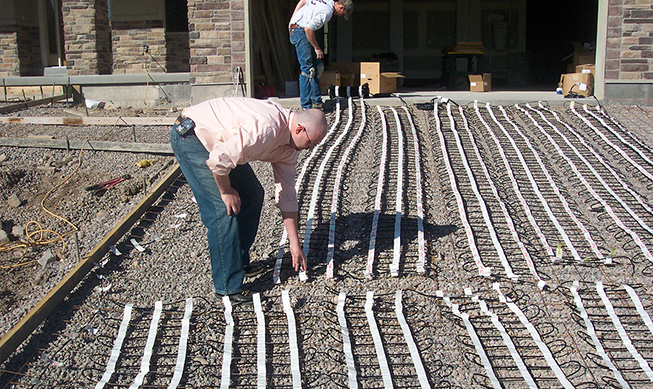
<point>526,45</point>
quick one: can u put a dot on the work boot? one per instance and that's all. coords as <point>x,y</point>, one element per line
<point>317,105</point>
<point>253,269</point>
<point>242,298</point>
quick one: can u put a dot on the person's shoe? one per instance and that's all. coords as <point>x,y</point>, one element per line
<point>242,298</point>
<point>317,105</point>
<point>253,269</point>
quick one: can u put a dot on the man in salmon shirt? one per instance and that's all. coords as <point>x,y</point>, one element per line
<point>213,142</point>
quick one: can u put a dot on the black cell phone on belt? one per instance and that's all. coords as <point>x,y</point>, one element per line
<point>186,125</point>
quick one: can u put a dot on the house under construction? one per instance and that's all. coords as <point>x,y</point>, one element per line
<point>196,49</point>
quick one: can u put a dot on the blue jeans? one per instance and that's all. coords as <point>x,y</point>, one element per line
<point>229,237</point>
<point>309,87</point>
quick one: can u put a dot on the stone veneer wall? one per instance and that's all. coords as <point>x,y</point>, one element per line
<point>128,40</point>
<point>629,54</point>
<point>217,40</point>
<point>87,37</point>
<point>20,51</point>
<point>9,62</point>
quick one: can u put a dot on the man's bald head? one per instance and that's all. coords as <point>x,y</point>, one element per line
<point>314,123</point>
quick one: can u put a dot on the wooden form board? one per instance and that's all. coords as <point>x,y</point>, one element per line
<point>96,145</point>
<point>21,331</point>
<point>87,120</point>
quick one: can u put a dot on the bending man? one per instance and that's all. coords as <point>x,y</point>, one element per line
<point>308,17</point>
<point>213,142</point>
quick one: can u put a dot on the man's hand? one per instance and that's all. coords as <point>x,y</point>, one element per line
<point>230,196</point>
<point>310,35</point>
<point>298,258</point>
<point>232,202</point>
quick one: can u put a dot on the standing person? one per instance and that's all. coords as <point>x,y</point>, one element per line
<point>308,17</point>
<point>213,142</point>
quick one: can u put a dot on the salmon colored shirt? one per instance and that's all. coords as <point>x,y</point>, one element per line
<point>237,130</point>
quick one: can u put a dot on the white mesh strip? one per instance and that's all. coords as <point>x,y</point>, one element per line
<point>260,342</point>
<point>346,343</point>
<point>482,270</point>
<point>507,340</point>
<point>622,332</point>
<point>292,341</point>
<point>117,346</point>
<point>616,147</point>
<point>518,193</point>
<point>471,331</point>
<point>377,200</point>
<point>639,307</point>
<point>632,136</point>
<point>228,343</point>
<point>421,242</point>
<point>536,337</point>
<point>414,352</point>
<point>592,333</point>
<point>149,345</point>
<point>591,190</point>
<point>298,182</point>
<point>614,174</point>
<point>378,344</point>
<point>555,188</point>
<point>504,209</point>
<point>336,191</point>
<point>531,179</point>
<point>394,266</point>
<point>479,198</point>
<point>183,344</point>
<point>318,184</point>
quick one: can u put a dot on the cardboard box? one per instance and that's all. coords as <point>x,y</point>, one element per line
<point>370,73</point>
<point>480,83</point>
<point>578,83</point>
<point>587,68</point>
<point>583,54</point>
<point>329,77</point>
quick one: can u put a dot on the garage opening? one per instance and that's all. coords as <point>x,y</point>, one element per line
<point>525,45</point>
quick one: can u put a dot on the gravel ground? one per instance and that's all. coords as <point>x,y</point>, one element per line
<point>452,334</point>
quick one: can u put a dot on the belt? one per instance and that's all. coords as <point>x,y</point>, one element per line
<point>294,26</point>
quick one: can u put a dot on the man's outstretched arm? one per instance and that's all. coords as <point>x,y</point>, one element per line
<point>298,257</point>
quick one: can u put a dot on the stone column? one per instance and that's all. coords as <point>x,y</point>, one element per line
<point>217,40</point>
<point>87,36</point>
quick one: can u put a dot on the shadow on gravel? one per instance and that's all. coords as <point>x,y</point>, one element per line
<point>352,243</point>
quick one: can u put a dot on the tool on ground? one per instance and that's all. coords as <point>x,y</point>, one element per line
<point>99,189</point>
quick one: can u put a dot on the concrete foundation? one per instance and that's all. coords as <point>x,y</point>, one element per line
<point>629,93</point>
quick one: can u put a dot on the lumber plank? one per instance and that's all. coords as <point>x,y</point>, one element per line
<point>90,121</point>
<point>33,103</point>
<point>22,330</point>
<point>96,145</point>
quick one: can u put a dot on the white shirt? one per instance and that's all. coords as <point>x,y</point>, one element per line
<point>314,14</point>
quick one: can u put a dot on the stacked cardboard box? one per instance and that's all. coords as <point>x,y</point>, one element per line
<point>480,83</point>
<point>357,73</point>
<point>581,84</point>
<point>379,82</point>
<point>340,74</point>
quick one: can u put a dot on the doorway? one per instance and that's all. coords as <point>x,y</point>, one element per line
<point>51,33</point>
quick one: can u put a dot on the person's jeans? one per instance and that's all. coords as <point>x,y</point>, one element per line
<point>229,237</point>
<point>309,87</point>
